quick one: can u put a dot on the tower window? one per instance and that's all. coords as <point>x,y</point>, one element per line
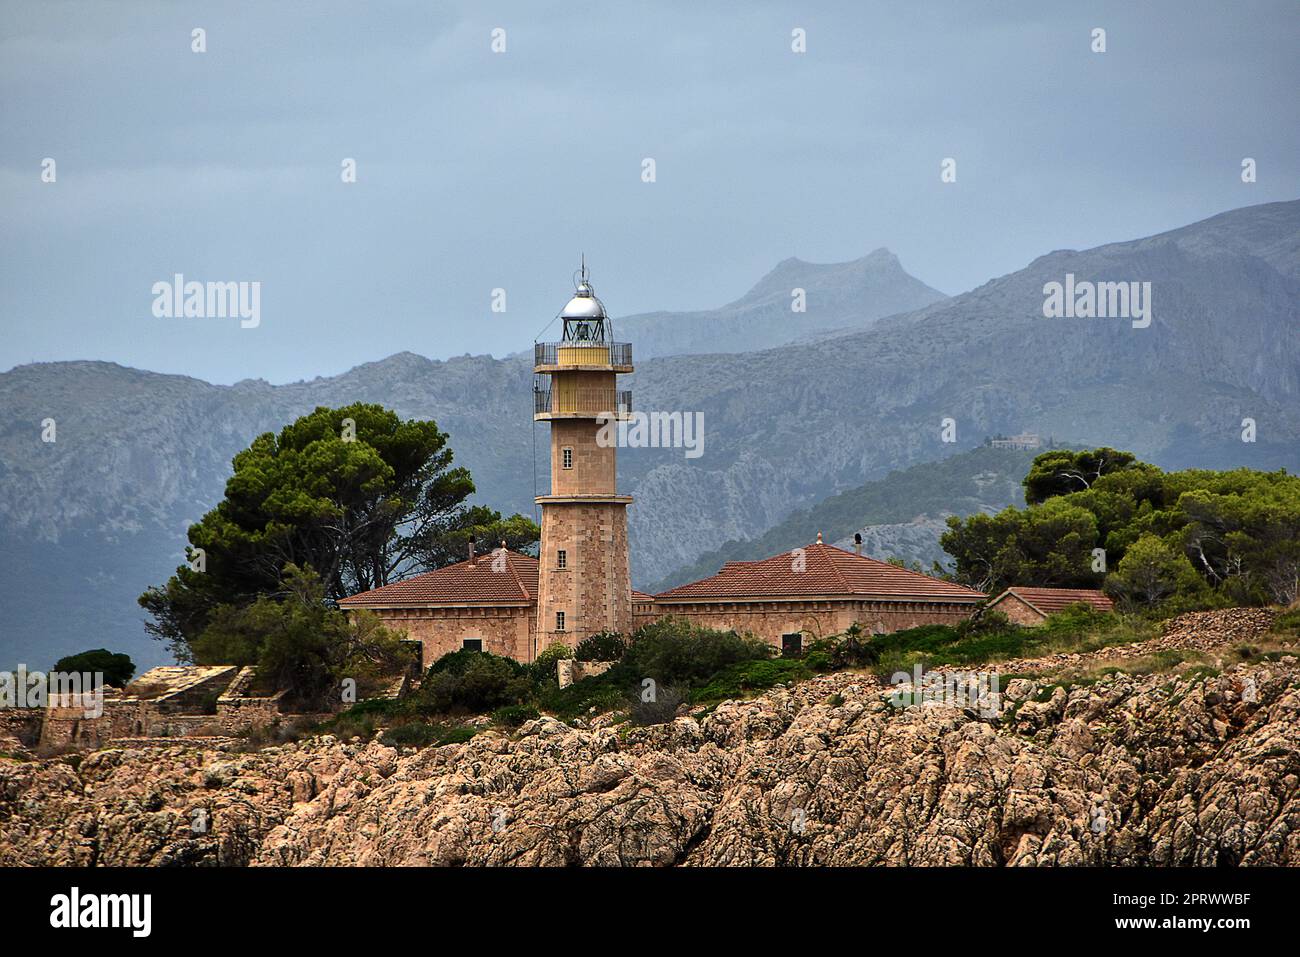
<point>566,457</point>
<point>559,621</point>
<point>561,559</point>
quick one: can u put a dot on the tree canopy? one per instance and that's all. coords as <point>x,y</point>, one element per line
<point>117,669</point>
<point>357,495</point>
<point>1190,535</point>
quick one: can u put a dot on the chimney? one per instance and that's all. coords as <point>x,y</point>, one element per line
<point>857,544</point>
<point>471,551</point>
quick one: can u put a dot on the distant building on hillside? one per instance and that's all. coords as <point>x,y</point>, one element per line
<point>511,604</point>
<point>1029,606</point>
<point>1025,441</point>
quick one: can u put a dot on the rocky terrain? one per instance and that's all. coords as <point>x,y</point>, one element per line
<point>1190,767</point>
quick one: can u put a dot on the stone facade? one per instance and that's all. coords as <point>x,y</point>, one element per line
<point>771,620</point>
<point>593,589</point>
<point>1019,611</point>
<point>503,629</point>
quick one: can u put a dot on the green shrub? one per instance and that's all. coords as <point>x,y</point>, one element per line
<point>543,668</point>
<point>672,651</point>
<point>661,709</point>
<point>418,734</point>
<point>853,649</point>
<point>475,682</point>
<point>602,693</point>
<point>513,715</point>
<point>1287,624</point>
<point>747,677</point>
<point>412,735</point>
<point>606,646</point>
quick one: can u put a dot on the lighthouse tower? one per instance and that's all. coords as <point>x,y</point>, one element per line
<point>584,585</point>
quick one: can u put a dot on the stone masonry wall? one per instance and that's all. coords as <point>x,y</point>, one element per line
<point>594,589</point>
<point>504,630</point>
<point>1018,611</point>
<point>771,620</point>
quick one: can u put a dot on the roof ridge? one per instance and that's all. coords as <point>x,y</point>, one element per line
<point>835,565</point>
<point>510,563</point>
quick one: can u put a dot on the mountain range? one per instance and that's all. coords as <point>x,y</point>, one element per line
<point>836,298</point>
<point>833,399</point>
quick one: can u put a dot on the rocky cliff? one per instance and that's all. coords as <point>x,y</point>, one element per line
<point>1191,767</point>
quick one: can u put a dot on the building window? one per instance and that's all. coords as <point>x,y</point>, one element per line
<point>792,645</point>
<point>472,644</point>
<point>561,559</point>
<point>566,457</point>
<point>559,621</point>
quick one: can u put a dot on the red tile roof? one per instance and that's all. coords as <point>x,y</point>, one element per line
<point>459,584</point>
<point>1049,600</point>
<point>827,570</point>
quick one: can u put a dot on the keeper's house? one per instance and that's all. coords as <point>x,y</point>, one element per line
<point>515,605</point>
<point>1029,606</point>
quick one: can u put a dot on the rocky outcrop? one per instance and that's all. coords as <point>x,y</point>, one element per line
<point>1195,768</point>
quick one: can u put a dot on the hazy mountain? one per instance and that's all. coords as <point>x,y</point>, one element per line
<point>838,297</point>
<point>88,521</point>
<point>899,516</point>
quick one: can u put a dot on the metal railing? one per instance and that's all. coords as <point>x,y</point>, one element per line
<point>582,401</point>
<point>582,353</point>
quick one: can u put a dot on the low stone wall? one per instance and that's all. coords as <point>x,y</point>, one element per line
<point>568,670</point>
<point>69,726</point>
<point>20,728</point>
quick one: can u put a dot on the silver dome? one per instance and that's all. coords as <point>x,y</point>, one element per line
<point>584,305</point>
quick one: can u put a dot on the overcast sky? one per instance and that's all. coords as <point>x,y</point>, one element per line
<point>479,170</point>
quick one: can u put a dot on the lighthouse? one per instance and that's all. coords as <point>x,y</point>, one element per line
<point>584,583</point>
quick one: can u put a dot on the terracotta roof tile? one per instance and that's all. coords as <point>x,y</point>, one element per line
<point>1048,600</point>
<point>462,583</point>
<point>827,570</point>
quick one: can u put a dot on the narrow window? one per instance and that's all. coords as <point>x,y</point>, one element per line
<point>472,644</point>
<point>561,559</point>
<point>566,457</point>
<point>559,621</point>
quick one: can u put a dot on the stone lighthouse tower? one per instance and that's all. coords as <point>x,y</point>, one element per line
<point>584,584</point>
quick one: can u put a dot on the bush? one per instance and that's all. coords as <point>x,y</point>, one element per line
<point>660,710</point>
<point>988,622</point>
<point>747,677</point>
<point>601,693</point>
<point>474,682</point>
<point>1287,624</point>
<point>606,646</point>
<point>672,651</point>
<point>544,666</point>
<point>418,734</point>
<point>852,649</point>
<point>513,715</point>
